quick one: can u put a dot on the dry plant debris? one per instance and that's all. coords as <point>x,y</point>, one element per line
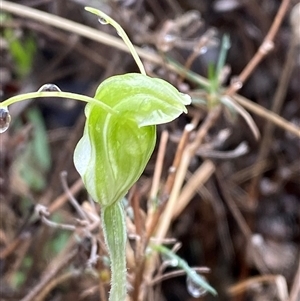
<point>231,201</point>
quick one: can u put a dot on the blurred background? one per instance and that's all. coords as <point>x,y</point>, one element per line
<point>243,224</point>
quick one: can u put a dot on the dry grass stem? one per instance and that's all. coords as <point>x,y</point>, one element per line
<point>14,245</point>
<point>48,276</point>
<point>266,114</point>
<point>266,46</point>
<point>187,155</point>
<point>54,283</point>
<point>178,155</point>
<point>71,197</point>
<point>278,280</point>
<point>173,274</point>
<point>295,290</point>
<point>159,165</point>
<point>153,198</point>
<point>276,108</point>
<point>245,229</point>
<point>198,178</point>
<point>63,198</point>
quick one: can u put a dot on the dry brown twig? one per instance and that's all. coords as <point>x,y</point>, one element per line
<point>277,280</point>
<point>295,290</point>
<point>48,277</point>
<point>154,215</point>
<point>156,181</point>
<point>277,104</point>
<point>63,198</point>
<point>173,274</point>
<point>186,154</point>
<point>83,228</point>
<point>15,244</point>
<point>57,280</point>
<point>266,46</point>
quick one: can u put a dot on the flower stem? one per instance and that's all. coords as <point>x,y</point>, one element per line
<point>114,228</point>
<point>121,33</point>
<point>60,94</point>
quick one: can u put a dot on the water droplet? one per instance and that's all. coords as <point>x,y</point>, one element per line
<point>236,82</point>
<point>102,21</point>
<point>49,88</point>
<point>194,289</point>
<point>4,119</point>
<point>226,5</point>
<point>200,50</point>
<point>167,42</point>
<point>266,47</point>
<point>171,262</point>
<point>203,50</point>
<point>169,38</point>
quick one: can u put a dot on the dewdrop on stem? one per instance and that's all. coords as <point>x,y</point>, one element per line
<point>203,50</point>
<point>102,21</point>
<point>4,119</point>
<point>236,83</point>
<point>194,289</point>
<point>49,88</point>
<point>167,42</point>
<point>170,262</point>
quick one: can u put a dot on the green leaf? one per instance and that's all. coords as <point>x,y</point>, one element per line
<point>197,279</point>
<point>146,100</point>
<point>40,142</point>
<point>35,160</point>
<point>22,51</point>
<point>222,56</point>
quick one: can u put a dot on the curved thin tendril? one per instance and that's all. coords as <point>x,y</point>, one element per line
<point>122,34</point>
<point>69,95</point>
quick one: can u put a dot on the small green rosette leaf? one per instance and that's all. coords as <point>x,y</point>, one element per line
<point>115,148</point>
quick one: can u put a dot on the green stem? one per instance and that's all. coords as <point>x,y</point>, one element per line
<point>121,33</point>
<point>60,94</point>
<point>114,228</point>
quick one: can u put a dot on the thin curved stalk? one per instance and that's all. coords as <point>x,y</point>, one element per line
<point>121,33</point>
<point>59,94</point>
